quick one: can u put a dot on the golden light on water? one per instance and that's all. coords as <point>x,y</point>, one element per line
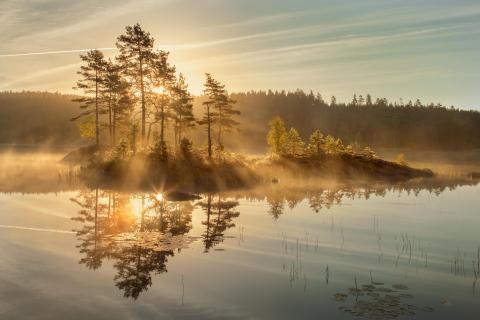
<point>136,206</point>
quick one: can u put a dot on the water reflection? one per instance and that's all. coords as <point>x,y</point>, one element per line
<point>322,195</point>
<point>139,232</point>
<point>219,217</point>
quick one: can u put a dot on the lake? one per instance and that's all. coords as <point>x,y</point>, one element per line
<point>334,251</point>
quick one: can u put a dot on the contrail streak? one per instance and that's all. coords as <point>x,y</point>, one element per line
<point>42,53</point>
<point>26,54</point>
<point>36,229</point>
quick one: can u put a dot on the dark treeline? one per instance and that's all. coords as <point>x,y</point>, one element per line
<point>41,117</point>
<point>377,123</point>
<point>37,118</point>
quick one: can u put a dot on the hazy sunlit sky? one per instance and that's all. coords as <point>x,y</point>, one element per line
<point>427,49</point>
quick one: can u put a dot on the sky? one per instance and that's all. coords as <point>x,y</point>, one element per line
<point>426,49</point>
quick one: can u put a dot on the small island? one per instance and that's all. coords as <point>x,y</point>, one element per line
<point>152,147</point>
<point>239,160</point>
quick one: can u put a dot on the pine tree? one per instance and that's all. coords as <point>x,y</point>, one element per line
<point>332,145</point>
<point>223,107</point>
<point>163,78</point>
<point>224,114</point>
<point>123,107</point>
<point>294,144</point>
<point>368,100</point>
<point>182,105</point>
<point>92,73</point>
<point>333,101</point>
<point>354,100</point>
<point>277,135</point>
<point>361,100</point>
<point>316,143</point>
<point>117,97</point>
<point>136,54</point>
<point>211,91</point>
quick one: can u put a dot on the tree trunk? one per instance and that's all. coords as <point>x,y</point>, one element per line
<point>142,91</point>
<point>219,138</point>
<point>97,128</point>
<point>149,131</point>
<point>209,129</point>
<point>220,118</point>
<point>162,122</point>
<point>114,126</point>
<point>180,130</point>
<point>175,133</point>
<point>110,119</point>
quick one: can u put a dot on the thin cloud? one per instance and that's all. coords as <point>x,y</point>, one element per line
<point>41,53</point>
<point>41,73</point>
<point>262,20</point>
<point>309,48</point>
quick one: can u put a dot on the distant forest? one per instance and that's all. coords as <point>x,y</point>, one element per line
<point>38,118</point>
<point>377,123</point>
<point>44,118</point>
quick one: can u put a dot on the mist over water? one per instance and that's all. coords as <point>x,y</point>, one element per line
<point>286,250</point>
<point>34,170</point>
<point>276,160</point>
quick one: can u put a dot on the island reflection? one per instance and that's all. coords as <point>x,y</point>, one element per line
<point>138,232</point>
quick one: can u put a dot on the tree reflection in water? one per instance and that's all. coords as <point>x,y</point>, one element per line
<point>139,244</point>
<point>138,233</point>
<point>321,195</point>
<point>140,240</point>
<point>220,214</point>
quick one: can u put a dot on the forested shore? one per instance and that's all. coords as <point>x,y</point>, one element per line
<point>144,128</point>
<point>380,125</point>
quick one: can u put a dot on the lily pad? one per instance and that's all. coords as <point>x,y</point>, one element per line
<point>399,286</point>
<point>428,309</point>
<point>340,297</point>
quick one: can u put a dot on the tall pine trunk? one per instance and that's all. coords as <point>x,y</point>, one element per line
<point>142,91</point>
<point>110,129</point>
<point>209,129</point>
<point>180,129</point>
<point>162,122</point>
<point>114,126</point>
<point>220,118</point>
<point>175,133</point>
<point>97,127</point>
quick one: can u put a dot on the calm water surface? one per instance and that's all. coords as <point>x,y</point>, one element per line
<point>339,253</point>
